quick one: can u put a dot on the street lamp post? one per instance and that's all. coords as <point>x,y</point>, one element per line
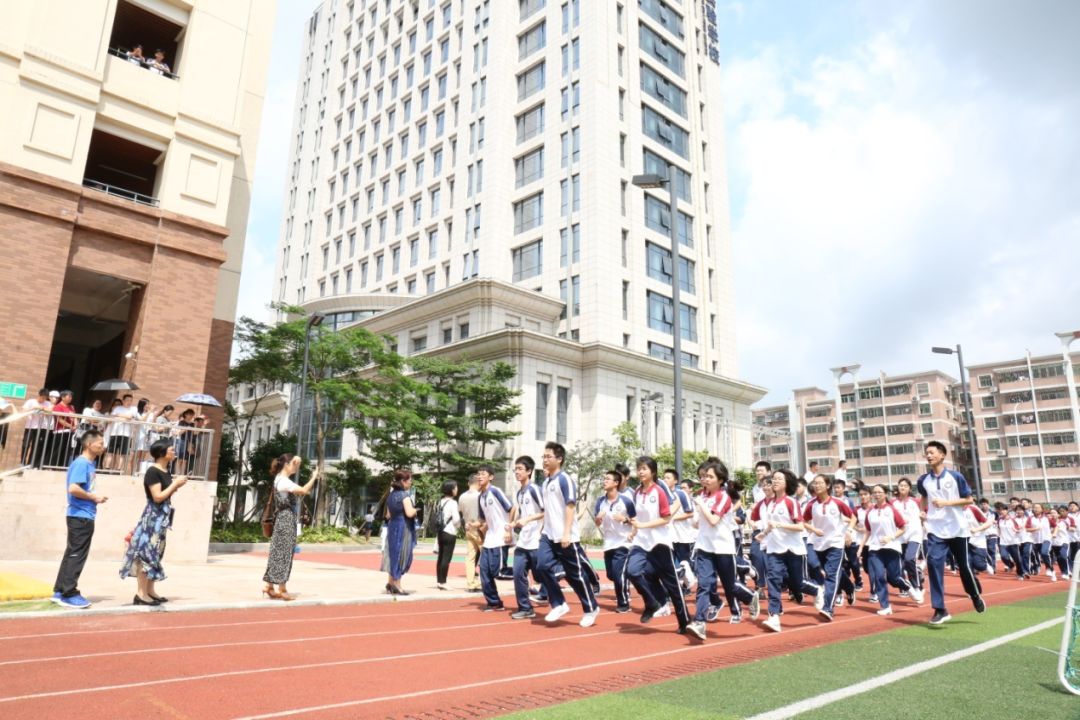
<point>654,181</point>
<point>314,320</point>
<point>967,412</point>
<point>1067,339</point>
<point>839,372</point>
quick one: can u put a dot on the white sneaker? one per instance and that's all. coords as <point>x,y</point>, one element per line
<point>1053,575</point>
<point>885,611</point>
<point>918,595</point>
<point>664,611</point>
<point>773,623</point>
<point>697,629</point>
<point>589,618</point>
<point>691,578</point>
<point>755,606</point>
<point>819,599</point>
<point>991,570</point>
<point>556,613</point>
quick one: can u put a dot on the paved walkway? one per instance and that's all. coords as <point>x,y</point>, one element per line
<point>235,581</point>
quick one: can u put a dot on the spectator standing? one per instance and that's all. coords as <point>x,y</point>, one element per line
<point>158,64</point>
<point>6,409</point>
<point>147,546</point>
<point>164,424</point>
<point>184,441</point>
<point>469,505</point>
<point>36,430</point>
<point>120,438</point>
<point>811,473</point>
<point>448,520</point>
<point>841,472</point>
<point>81,511</point>
<point>283,538</point>
<point>135,55</point>
<point>63,430</point>
<point>400,517</point>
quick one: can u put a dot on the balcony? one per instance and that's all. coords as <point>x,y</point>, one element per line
<point>158,38</point>
<point>122,168</point>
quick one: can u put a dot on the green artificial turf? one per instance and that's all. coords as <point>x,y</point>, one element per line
<point>1007,682</point>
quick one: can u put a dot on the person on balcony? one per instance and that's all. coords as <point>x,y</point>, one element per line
<point>158,64</point>
<point>135,55</point>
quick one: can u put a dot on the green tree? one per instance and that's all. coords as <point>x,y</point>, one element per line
<point>350,480</point>
<point>261,458</point>
<point>589,460</point>
<point>665,458</point>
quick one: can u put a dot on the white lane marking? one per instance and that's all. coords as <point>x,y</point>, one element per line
<point>203,626</point>
<point>794,709</point>
<point>362,661</point>
<point>243,643</point>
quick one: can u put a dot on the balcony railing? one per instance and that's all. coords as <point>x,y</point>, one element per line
<point>145,63</point>
<point>120,192</point>
<point>50,441</point>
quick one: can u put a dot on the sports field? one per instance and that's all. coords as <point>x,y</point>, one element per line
<point>1016,680</point>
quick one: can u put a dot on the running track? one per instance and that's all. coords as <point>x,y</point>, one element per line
<point>436,659</point>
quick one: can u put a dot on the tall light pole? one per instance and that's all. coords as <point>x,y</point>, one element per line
<point>967,412</point>
<point>1067,339</point>
<point>314,320</point>
<point>648,182</point>
<point>837,373</point>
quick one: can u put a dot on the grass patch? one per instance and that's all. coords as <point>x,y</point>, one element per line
<point>28,606</point>
<point>1000,683</point>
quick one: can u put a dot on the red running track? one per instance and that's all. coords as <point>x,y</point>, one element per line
<point>438,658</point>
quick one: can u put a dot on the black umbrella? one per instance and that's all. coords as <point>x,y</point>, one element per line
<point>113,385</point>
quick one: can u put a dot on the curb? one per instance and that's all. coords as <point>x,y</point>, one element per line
<point>236,548</point>
<point>248,605</point>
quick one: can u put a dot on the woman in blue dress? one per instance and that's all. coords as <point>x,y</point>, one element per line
<point>400,517</point>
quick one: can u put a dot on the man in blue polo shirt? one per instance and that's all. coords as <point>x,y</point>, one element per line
<point>945,493</point>
<point>81,511</point>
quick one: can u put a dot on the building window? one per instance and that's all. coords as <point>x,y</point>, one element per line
<point>562,406</point>
<point>658,217</point>
<point>662,318</point>
<point>659,48</point>
<point>528,8</point>
<point>575,284</point>
<point>665,132</point>
<point>528,260</point>
<point>570,245</point>
<point>530,81</point>
<point>529,167</point>
<point>659,267</point>
<point>532,40</point>
<point>663,352</point>
<point>657,86</point>
<point>990,423</point>
<point>529,213</point>
<point>530,123</point>
<point>541,410</point>
<point>988,401</point>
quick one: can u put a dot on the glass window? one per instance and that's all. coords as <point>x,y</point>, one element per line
<point>528,260</point>
<point>659,267</point>
<point>530,123</point>
<point>659,87</point>
<point>662,13</point>
<point>532,40</point>
<point>530,81</point>
<point>658,217</point>
<point>528,8</point>
<point>662,130</point>
<point>529,213</point>
<point>529,167</point>
<point>657,47</point>
<point>541,410</point>
<point>562,407</point>
<point>662,318</point>
<point>570,245</point>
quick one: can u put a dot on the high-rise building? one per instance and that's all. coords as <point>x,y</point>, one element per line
<point>1025,427</point>
<point>883,428</point>
<point>125,175</point>
<point>439,143</point>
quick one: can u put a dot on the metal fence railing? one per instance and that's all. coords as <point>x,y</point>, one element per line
<point>50,441</point>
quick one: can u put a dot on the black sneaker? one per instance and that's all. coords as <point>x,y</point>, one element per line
<point>980,606</point>
<point>523,615</point>
<point>940,617</point>
<point>493,608</point>
<point>534,591</point>
<point>595,587</point>
<point>622,609</point>
<point>648,614</point>
<point>858,586</point>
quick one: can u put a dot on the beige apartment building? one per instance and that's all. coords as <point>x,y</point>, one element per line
<point>124,189</point>
<point>884,424</point>
<point>1026,427</point>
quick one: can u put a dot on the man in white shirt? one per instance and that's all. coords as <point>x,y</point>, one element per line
<point>494,515</point>
<point>945,493</point>
<point>810,474</point>
<point>841,472</point>
<point>37,428</point>
<point>527,517</point>
<point>120,435</point>
<point>559,540</point>
<point>469,504</point>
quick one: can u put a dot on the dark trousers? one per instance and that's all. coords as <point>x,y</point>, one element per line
<point>682,551</point>
<point>710,567</point>
<point>1061,552</point>
<point>490,562</point>
<point>786,566</point>
<point>524,561</point>
<point>978,558</point>
<point>1010,556</point>
<point>33,446</point>
<point>551,554</point>
<point>886,569</point>
<point>615,568</point>
<point>833,576</point>
<point>992,550</point>
<point>447,541</point>
<point>1043,549</point>
<point>851,554</point>
<point>653,574</point>
<point>757,559</point>
<point>80,532</point>
<point>1026,559</point>
<point>936,549</point>
<point>910,551</point>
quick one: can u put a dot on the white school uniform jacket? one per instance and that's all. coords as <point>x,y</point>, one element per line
<point>832,518</point>
<point>559,491</point>
<point>1041,529</point>
<point>1008,528</point>
<point>783,510</point>
<point>910,509</point>
<point>976,518</point>
<point>683,531</point>
<point>616,534</point>
<point>1074,527</point>
<point>529,502</point>
<point>882,520</point>
<point>944,522</point>
<point>652,504</point>
<point>495,511</point>
<point>1061,532</point>
<point>718,538</point>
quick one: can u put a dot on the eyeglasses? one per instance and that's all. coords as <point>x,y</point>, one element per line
<point>548,456</point>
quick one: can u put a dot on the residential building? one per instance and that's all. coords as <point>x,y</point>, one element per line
<point>483,151</point>
<point>884,424</point>
<point>124,189</point>
<point>1025,427</point>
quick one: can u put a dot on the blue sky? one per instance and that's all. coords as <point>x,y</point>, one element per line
<point>902,174</point>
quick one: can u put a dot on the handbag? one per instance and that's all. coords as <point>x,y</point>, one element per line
<point>269,515</point>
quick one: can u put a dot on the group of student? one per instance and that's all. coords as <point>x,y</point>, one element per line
<point>807,539</point>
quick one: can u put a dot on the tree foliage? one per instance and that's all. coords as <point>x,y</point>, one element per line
<point>588,461</point>
<point>263,455</point>
<point>665,458</point>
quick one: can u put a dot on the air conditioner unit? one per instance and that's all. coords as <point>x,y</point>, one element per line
<point>1002,453</point>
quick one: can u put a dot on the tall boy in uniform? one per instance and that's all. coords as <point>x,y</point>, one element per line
<point>527,517</point>
<point>559,540</point>
<point>494,516</point>
<point>945,493</point>
<point>612,515</point>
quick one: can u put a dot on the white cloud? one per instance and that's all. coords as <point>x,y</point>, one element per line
<point>892,197</point>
